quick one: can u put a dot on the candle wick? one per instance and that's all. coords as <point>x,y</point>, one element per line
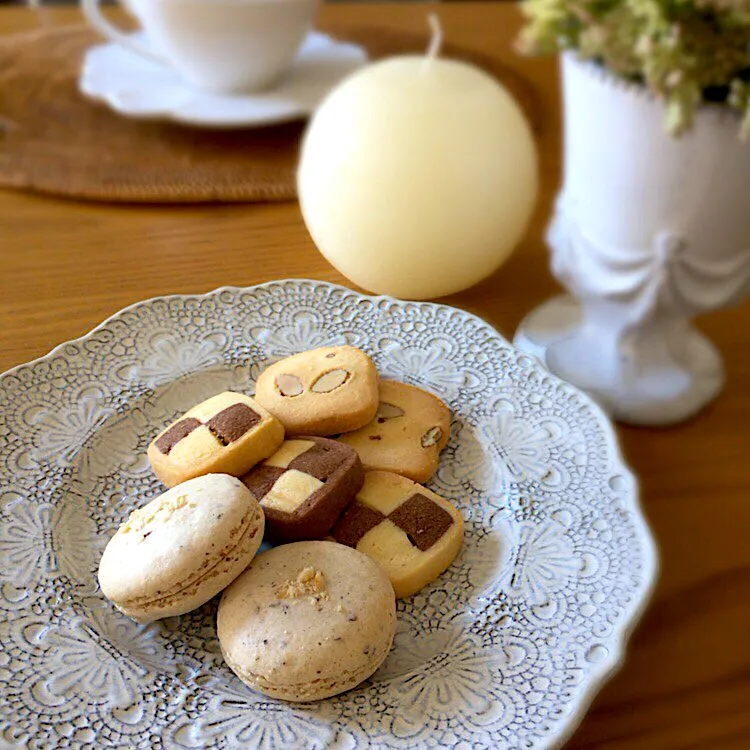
<point>436,40</point>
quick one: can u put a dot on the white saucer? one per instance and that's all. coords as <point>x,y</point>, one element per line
<point>137,88</point>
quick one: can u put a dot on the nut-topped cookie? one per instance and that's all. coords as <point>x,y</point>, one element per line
<point>410,531</point>
<point>226,434</point>
<point>407,433</point>
<point>321,392</point>
<point>304,486</point>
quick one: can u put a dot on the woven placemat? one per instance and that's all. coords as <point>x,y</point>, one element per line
<point>53,140</point>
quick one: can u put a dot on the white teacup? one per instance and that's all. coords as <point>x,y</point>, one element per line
<point>218,45</point>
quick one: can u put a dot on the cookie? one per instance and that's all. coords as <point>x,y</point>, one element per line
<point>182,548</point>
<point>410,428</point>
<point>410,531</point>
<point>307,621</point>
<point>227,434</point>
<point>321,392</point>
<point>304,486</point>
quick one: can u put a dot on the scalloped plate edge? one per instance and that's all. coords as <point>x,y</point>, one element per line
<point>611,665</point>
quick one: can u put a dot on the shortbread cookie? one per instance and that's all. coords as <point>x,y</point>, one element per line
<point>182,548</point>
<point>410,428</point>
<point>304,486</point>
<point>307,621</point>
<point>227,434</point>
<point>410,531</point>
<point>321,392</point>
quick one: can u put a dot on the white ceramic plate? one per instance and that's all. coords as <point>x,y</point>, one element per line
<point>138,88</point>
<point>505,650</point>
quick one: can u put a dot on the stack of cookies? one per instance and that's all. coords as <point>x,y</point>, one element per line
<point>326,462</point>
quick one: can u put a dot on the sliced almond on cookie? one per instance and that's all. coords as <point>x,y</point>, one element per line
<point>330,381</point>
<point>389,411</point>
<point>289,385</point>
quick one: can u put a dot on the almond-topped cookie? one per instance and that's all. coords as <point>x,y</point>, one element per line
<point>226,434</point>
<point>322,392</point>
<point>410,531</point>
<point>407,433</point>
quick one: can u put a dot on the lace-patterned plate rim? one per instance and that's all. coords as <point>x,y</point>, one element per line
<point>230,289</point>
<point>612,657</point>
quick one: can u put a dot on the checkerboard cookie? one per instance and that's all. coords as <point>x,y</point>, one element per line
<point>413,533</point>
<point>227,434</point>
<point>322,392</point>
<point>304,487</point>
<point>407,433</point>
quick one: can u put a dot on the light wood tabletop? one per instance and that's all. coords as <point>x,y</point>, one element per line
<point>686,682</point>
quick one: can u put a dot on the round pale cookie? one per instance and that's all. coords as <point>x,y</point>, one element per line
<point>182,548</point>
<point>321,392</point>
<point>307,621</point>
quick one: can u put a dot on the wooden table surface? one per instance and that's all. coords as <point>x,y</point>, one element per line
<point>686,682</point>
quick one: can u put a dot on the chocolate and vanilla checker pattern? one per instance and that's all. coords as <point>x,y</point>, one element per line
<point>352,505</point>
<point>307,484</point>
<point>304,487</point>
<point>226,426</point>
<point>423,521</point>
<point>411,531</point>
<point>226,434</point>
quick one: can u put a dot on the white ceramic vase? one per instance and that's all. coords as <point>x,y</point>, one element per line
<point>648,232</point>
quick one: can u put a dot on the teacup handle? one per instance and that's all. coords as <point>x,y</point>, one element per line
<point>94,16</point>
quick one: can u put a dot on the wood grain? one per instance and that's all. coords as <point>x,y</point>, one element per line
<point>686,683</point>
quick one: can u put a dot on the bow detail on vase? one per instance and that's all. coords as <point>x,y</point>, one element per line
<point>666,276</point>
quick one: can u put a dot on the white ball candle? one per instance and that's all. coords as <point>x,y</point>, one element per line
<point>417,176</point>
